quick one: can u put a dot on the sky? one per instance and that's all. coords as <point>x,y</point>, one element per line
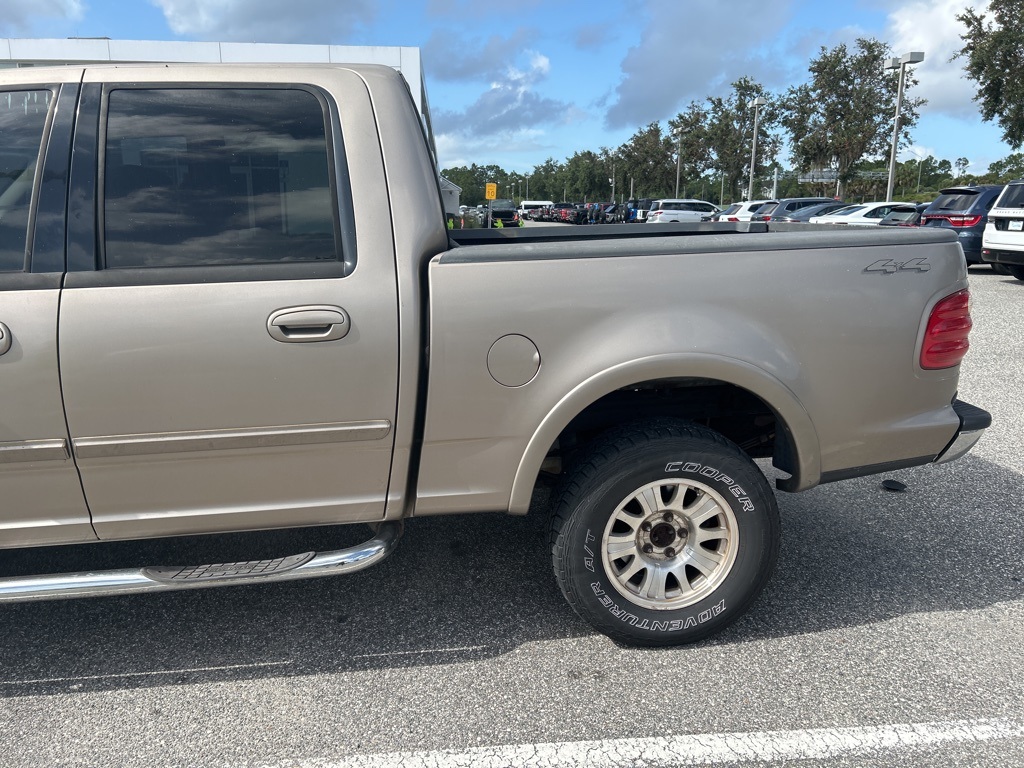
<point>514,83</point>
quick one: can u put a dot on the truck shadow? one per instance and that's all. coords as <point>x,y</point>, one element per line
<point>472,588</point>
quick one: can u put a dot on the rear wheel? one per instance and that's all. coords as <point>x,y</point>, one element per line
<point>664,534</point>
<point>1016,271</point>
<point>1000,269</point>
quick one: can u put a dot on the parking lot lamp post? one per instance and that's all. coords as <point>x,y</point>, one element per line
<point>527,186</point>
<point>679,158</point>
<point>760,101</point>
<point>914,57</point>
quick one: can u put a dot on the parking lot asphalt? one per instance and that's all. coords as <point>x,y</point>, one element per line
<point>890,635</point>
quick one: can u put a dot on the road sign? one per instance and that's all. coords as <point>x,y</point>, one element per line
<point>490,191</point>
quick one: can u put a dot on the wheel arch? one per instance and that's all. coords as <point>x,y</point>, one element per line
<point>794,422</point>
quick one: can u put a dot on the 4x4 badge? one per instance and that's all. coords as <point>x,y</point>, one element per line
<point>890,267</point>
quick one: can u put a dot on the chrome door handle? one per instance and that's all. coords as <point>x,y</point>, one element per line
<point>305,324</point>
<point>5,338</point>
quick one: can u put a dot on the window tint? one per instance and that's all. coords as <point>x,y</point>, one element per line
<point>1012,197</point>
<point>22,120</point>
<point>954,201</point>
<point>196,177</point>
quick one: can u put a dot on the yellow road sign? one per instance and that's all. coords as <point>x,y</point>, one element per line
<point>490,191</point>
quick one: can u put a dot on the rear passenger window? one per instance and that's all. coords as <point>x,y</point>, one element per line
<point>215,176</point>
<point>22,121</point>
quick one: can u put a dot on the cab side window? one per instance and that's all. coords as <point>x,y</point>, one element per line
<point>216,176</point>
<point>22,122</point>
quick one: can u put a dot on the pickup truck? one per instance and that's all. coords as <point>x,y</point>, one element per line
<point>214,320</point>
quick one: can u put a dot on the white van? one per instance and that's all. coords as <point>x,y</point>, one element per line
<point>527,207</point>
<point>1003,239</point>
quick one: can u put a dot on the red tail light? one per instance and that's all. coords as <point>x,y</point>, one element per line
<point>956,221</point>
<point>965,221</point>
<point>945,338</point>
<point>732,218</point>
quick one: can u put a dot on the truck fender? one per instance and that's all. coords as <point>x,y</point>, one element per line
<point>791,414</point>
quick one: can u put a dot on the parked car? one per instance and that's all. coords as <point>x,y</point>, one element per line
<point>803,215</point>
<point>506,212</point>
<point>637,209</point>
<point>904,215</point>
<point>965,210</point>
<point>742,211</point>
<point>675,211</point>
<point>1003,240</point>
<point>787,206</point>
<point>863,215</point>
<point>528,209</point>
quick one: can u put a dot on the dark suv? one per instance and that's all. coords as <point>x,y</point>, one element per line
<point>964,209</point>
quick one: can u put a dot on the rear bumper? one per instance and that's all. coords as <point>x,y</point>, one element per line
<point>1002,256</point>
<point>973,423</point>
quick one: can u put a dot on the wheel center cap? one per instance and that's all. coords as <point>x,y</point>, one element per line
<point>662,535</point>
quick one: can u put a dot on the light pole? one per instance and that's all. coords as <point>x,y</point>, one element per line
<point>760,101</point>
<point>679,157</point>
<point>914,57</point>
<point>527,186</point>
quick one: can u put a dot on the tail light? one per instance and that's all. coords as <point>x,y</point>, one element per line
<point>732,218</point>
<point>945,338</point>
<point>965,221</point>
<point>955,220</point>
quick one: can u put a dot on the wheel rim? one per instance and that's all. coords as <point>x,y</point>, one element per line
<point>670,544</point>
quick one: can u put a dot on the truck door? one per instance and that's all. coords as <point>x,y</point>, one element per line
<point>42,500</point>
<point>225,364</point>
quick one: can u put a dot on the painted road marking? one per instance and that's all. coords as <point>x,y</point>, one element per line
<point>709,749</point>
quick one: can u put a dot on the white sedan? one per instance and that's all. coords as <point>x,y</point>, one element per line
<point>863,215</point>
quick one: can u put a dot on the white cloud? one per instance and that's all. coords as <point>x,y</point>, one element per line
<point>674,62</point>
<point>17,14</point>
<point>931,26</point>
<point>269,21</point>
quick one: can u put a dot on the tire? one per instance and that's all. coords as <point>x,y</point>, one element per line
<point>1016,270</point>
<point>664,534</point>
<point>1000,269</point>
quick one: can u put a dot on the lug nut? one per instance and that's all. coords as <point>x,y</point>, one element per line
<point>648,549</point>
<point>645,527</point>
<point>667,517</point>
<point>670,552</point>
<point>681,532</point>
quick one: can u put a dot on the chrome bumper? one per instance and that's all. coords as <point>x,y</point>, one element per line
<point>973,423</point>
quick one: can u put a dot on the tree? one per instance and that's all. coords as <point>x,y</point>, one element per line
<point>844,113</point>
<point>1007,169</point>
<point>961,166</point>
<point>994,54</point>
<point>730,130</point>
<point>649,158</point>
<point>689,134</point>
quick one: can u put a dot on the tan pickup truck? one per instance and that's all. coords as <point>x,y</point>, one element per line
<point>229,302</point>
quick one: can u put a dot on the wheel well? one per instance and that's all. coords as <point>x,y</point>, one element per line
<point>732,411</point>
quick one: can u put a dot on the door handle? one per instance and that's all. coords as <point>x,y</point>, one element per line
<point>5,338</point>
<point>305,324</point>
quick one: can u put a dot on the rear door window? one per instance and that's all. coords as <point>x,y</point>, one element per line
<point>1012,196</point>
<point>23,117</point>
<point>216,176</point>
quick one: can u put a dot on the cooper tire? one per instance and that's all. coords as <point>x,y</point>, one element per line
<point>664,533</point>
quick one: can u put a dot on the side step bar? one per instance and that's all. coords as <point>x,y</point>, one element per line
<point>101,583</point>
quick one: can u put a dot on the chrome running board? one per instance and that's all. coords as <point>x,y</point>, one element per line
<point>132,581</point>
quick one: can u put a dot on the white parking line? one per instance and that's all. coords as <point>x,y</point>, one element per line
<point>710,749</point>
<point>461,649</point>
<point>158,672</point>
